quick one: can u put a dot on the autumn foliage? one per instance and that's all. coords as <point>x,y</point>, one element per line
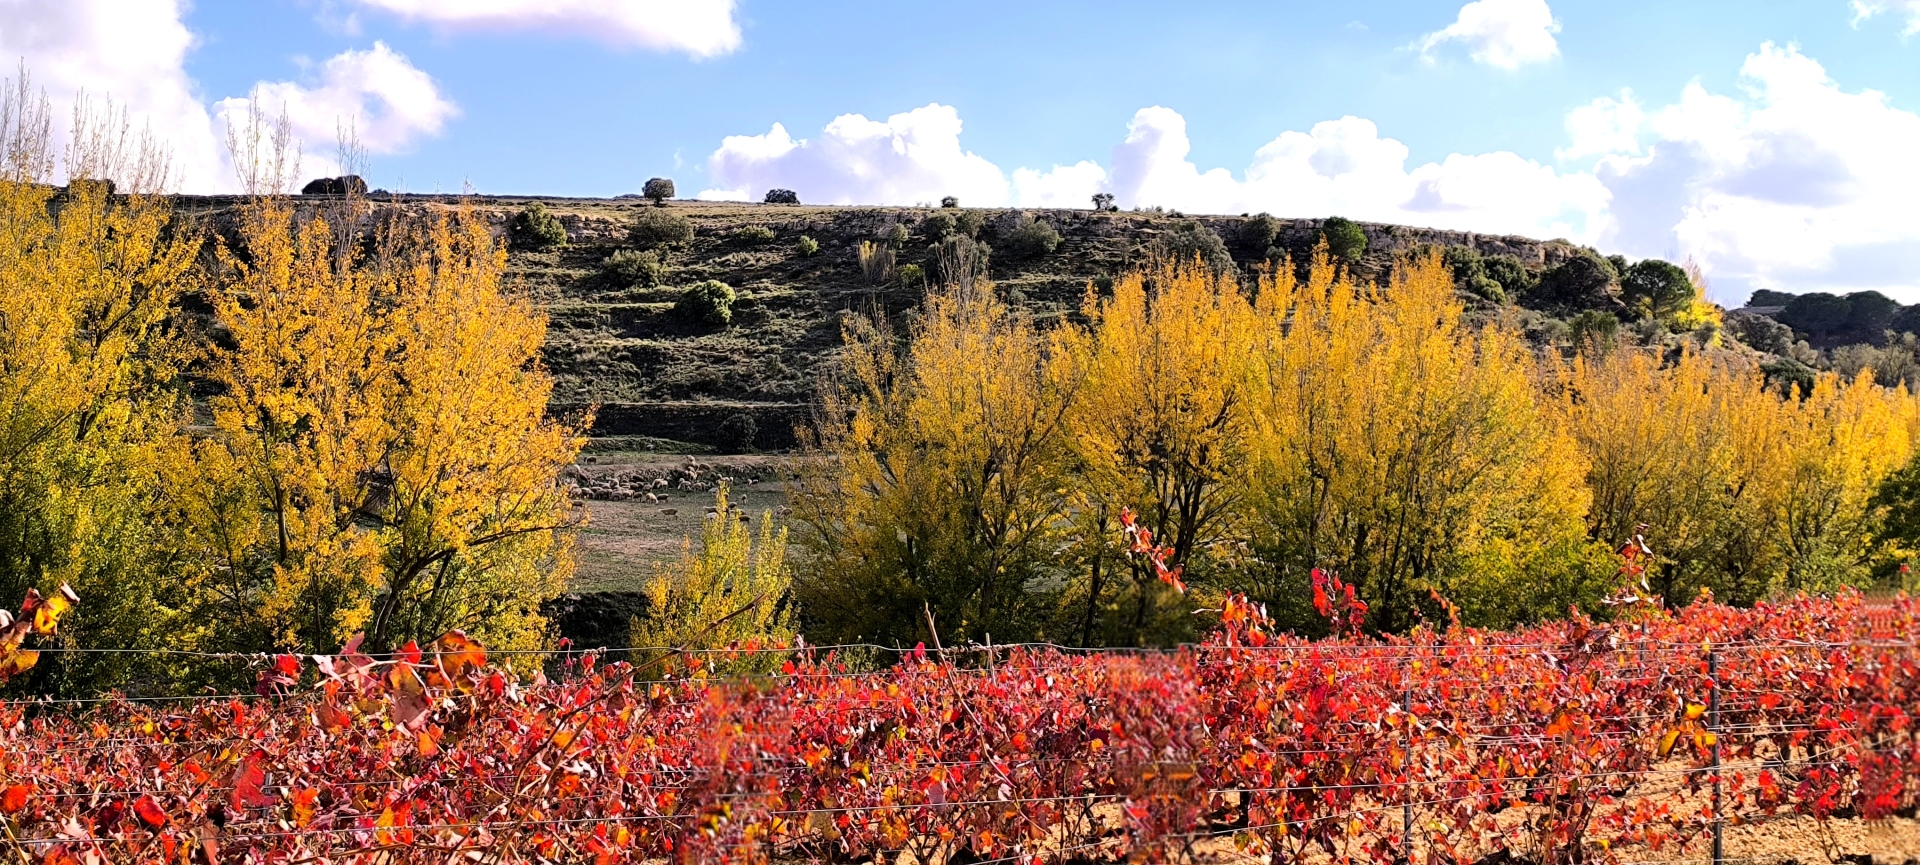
<point>1597,736</point>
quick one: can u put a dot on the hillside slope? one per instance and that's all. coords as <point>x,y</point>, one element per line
<point>656,375</point>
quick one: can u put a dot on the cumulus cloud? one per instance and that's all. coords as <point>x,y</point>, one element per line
<point>1795,184</point>
<point>1503,33</point>
<point>386,101</point>
<point>1605,125</point>
<point>1346,167</point>
<point>133,53</point>
<point>1909,9</point>
<point>1339,167</point>
<point>908,158</point>
<point>702,28</point>
<point>1791,182</point>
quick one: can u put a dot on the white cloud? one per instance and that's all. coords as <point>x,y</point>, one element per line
<point>1605,125</point>
<point>702,28</point>
<point>1345,167</point>
<point>1864,9</point>
<point>911,157</point>
<point>1504,33</point>
<point>1789,183</point>
<point>1796,185</point>
<point>1062,186</point>
<point>133,53</point>
<point>1340,167</point>
<point>388,102</point>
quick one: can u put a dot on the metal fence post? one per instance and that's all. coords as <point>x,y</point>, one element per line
<point>1713,726</point>
<point>1406,791</point>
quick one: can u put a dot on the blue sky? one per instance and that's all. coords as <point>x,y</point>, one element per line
<point>1770,141</point>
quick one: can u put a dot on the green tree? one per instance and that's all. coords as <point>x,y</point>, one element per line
<point>1582,281</point>
<point>1188,240</point>
<point>1344,238</point>
<point>1258,233</point>
<point>1656,289</point>
<point>1032,238</point>
<point>658,189</point>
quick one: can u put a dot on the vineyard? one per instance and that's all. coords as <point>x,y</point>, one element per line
<point>1572,742</point>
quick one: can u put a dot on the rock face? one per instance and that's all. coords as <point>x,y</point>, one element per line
<point>620,350</point>
<point>351,183</point>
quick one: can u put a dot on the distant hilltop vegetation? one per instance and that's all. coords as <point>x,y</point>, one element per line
<point>708,324</point>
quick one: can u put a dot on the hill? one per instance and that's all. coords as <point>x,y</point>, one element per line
<point>661,379</point>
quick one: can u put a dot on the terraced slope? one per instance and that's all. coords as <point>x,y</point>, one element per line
<point>663,381</point>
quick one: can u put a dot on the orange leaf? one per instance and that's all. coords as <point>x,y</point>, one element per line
<point>1667,742</point>
<point>1694,711</point>
<point>149,812</point>
<point>459,653</point>
<point>303,806</point>
<point>429,741</point>
<point>14,799</point>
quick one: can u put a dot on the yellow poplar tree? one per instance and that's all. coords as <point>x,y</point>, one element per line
<point>1745,491</point>
<point>934,481</point>
<point>88,367</point>
<point>380,457</point>
<point>1397,445</point>
<point>1159,427</point>
<point>475,523</point>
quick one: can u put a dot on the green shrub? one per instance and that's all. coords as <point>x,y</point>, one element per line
<point>1257,234</point>
<point>1188,240</point>
<point>950,201</point>
<point>1103,201</point>
<point>1345,239</point>
<point>808,247</point>
<point>1580,282</point>
<point>653,228</point>
<point>1593,330</point>
<point>1760,333</point>
<point>633,267</point>
<point>911,274</point>
<point>1789,375</point>
<point>1514,278</point>
<point>536,228</point>
<point>659,189</point>
<point>969,222</point>
<point>738,432</point>
<point>1769,297</point>
<point>754,234</point>
<point>937,227</point>
<point>897,235</point>
<point>1469,272</point>
<point>1032,239</point>
<point>782,196</point>
<point>709,303</point>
